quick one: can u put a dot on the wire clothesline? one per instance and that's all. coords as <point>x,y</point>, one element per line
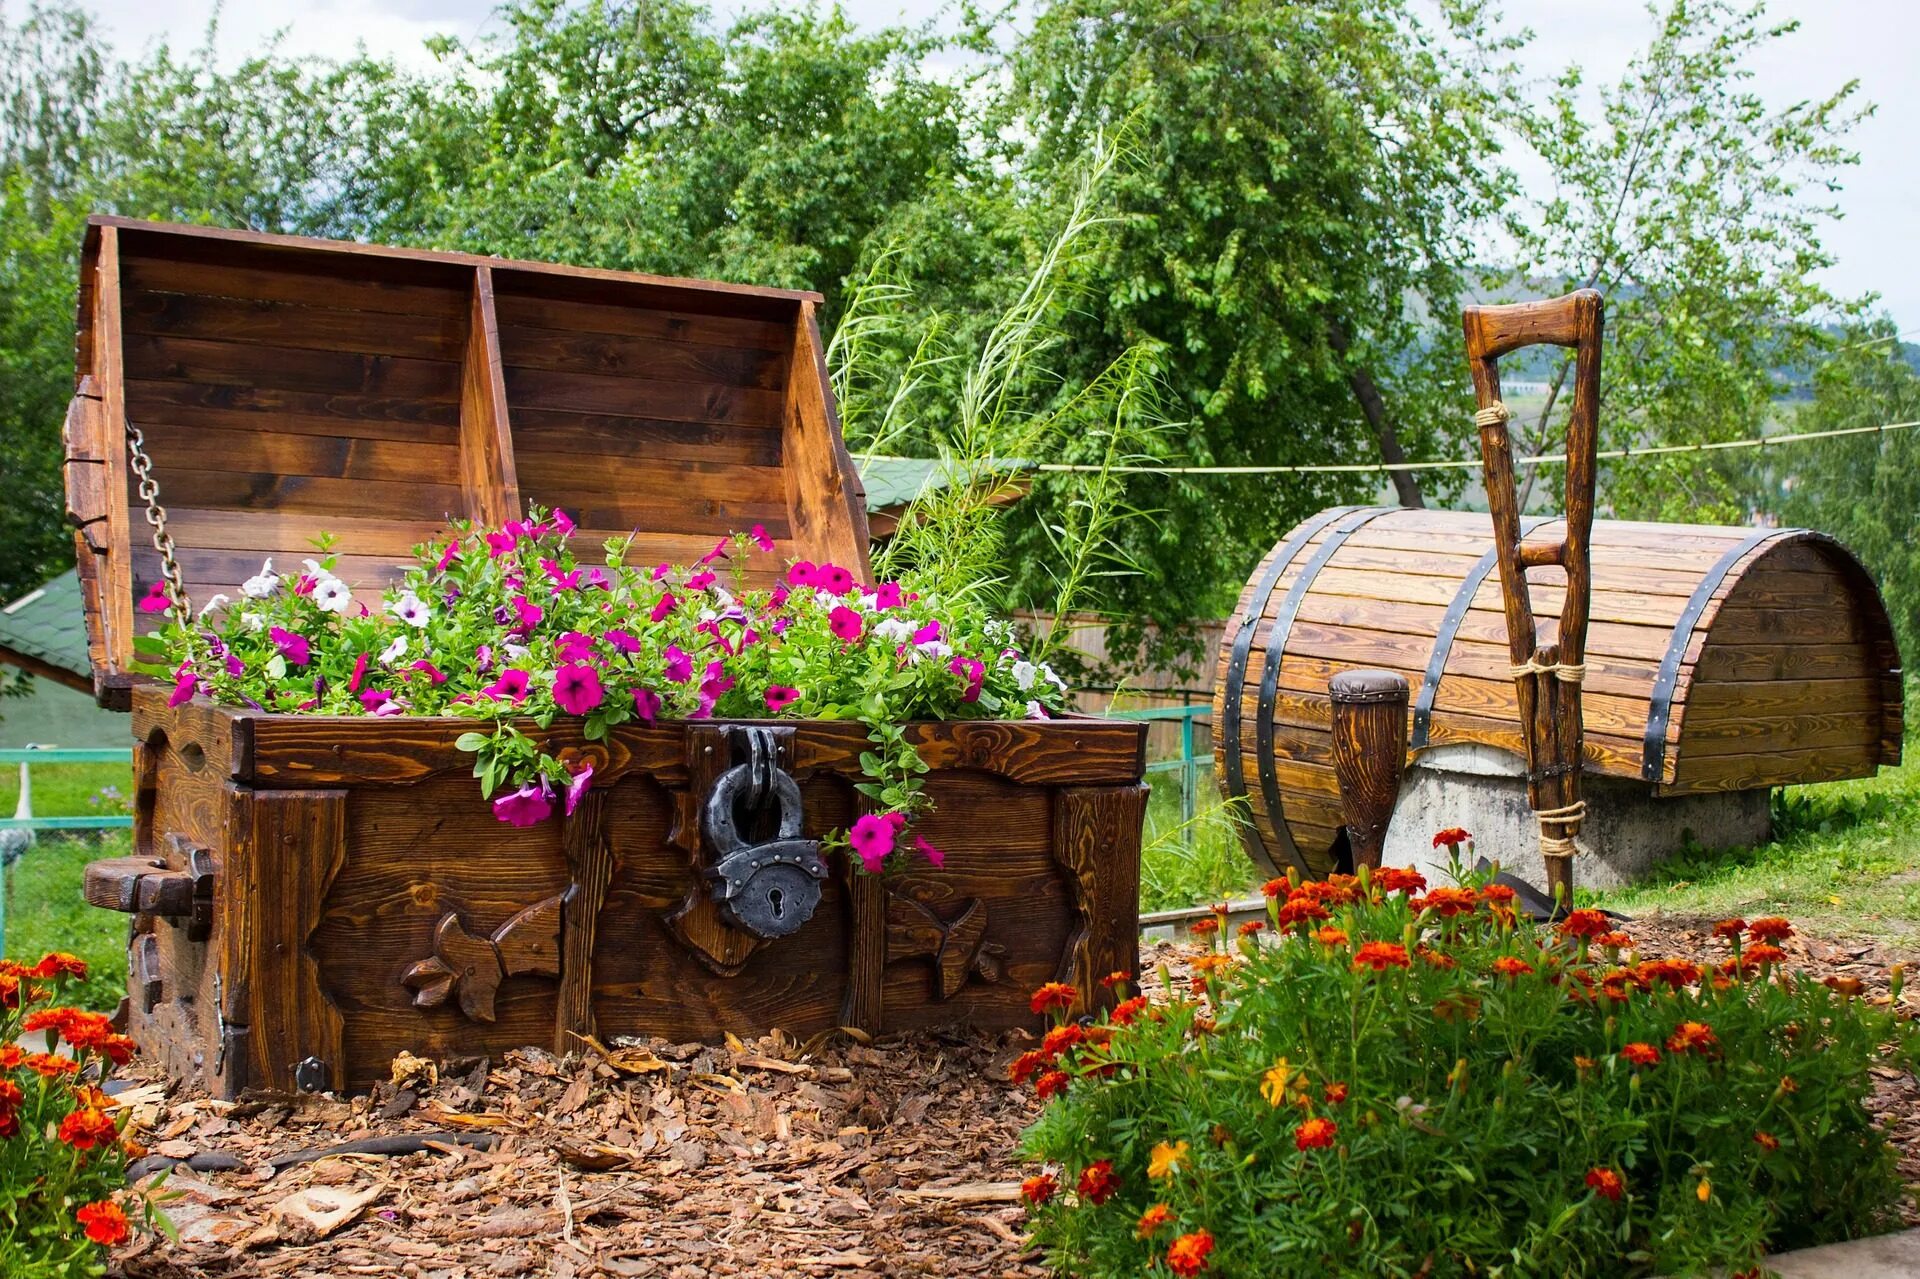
<point>1466,463</point>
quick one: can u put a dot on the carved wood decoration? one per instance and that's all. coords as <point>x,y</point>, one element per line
<point>1088,823</point>
<point>958,947</point>
<point>1369,754</point>
<point>472,968</point>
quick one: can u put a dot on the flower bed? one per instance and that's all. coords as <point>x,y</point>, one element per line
<point>1386,1079</point>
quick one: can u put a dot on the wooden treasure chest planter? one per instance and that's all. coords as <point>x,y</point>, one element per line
<point>311,895</point>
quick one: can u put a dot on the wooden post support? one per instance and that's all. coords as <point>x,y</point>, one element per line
<point>1096,833</point>
<point>590,856</point>
<point>1369,754</point>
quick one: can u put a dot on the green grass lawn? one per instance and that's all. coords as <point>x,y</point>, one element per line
<point>44,907</point>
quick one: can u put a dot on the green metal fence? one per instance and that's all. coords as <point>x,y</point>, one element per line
<point>1188,762</point>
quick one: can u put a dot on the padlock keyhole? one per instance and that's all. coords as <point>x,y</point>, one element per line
<point>777,900</point>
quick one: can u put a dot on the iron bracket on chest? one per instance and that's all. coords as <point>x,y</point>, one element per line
<point>766,883</point>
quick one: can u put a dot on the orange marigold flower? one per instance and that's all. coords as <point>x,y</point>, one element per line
<point>1314,1134</point>
<point>60,964</point>
<point>1381,955</point>
<point>1127,1009</point>
<point>1337,890</point>
<point>1055,994</point>
<point>85,1128</point>
<point>1614,986</point>
<point>1641,1054</point>
<point>1675,972</point>
<point>1334,1093</point>
<point>1456,1005</point>
<point>54,1019</point>
<point>1202,1025</point>
<point>1512,966</point>
<point>1151,1220</point>
<point>1692,1037</point>
<point>1051,1084</point>
<point>1398,879</point>
<point>1761,953</point>
<point>1451,836</point>
<point>1061,1038</point>
<point>1027,1065</point>
<point>1584,923</point>
<point>1116,979</point>
<point>1614,941</point>
<point>1212,963</point>
<point>1039,1188</point>
<point>11,1055</point>
<point>1188,1255</point>
<point>1448,902</point>
<point>1605,1182</point>
<point>1767,1141</point>
<point>1275,888</point>
<point>1098,1182</point>
<point>1222,909</point>
<point>9,1124</point>
<point>1772,928</point>
<point>1730,929</point>
<point>1497,893</point>
<point>1330,936</point>
<point>118,1049</point>
<point>1252,926</point>
<point>1166,1158</point>
<point>1435,958</point>
<point>9,991</point>
<point>1303,910</point>
<point>104,1222</point>
<point>1205,927</point>
<point>50,1065</point>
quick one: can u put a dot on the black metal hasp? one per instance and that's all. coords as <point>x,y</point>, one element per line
<point>769,889</point>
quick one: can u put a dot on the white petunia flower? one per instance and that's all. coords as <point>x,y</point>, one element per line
<point>1036,711</point>
<point>394,651</point>
<point>332,595</point>
<point>1052,677</point>
<point>895,630</point>
<point>936,649</point>
<point>262,583</point>
<point>1023,674</point>
<point>253,622</point>
<point>516,652</point>
<point>826,599</point>
<point>411,609</point>
<point>217,601</point>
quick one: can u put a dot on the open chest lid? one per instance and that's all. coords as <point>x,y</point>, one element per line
<point>285,387</point>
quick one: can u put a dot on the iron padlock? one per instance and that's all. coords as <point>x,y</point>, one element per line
<point>768,889</point>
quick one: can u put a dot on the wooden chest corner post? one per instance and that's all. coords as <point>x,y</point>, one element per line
<point>1096,839</point>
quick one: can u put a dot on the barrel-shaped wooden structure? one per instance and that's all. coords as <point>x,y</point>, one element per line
<point>1717,659</point>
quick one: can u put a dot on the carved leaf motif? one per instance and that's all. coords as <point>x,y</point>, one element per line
<point>431,982</point>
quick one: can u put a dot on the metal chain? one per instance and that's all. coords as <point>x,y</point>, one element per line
<point>176,586</point>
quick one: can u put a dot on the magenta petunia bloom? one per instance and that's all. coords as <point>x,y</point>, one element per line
<point>155,600</point>
<point>803,573</point>
<point>887,595</point>
<point>528,806</point>
<point>646,704</point>
<point>623,641</point>
<point>719,552</point>
<point>872,838</point>
<point>846,623</point>
<point>665,605</point>
<point>779,697</point>
<point>576,689</point>
<point>578,784</point>
<point>373,698</point>
<point>448,556</point>
<point>512,687</point>
<point>927,634</point>
<point>597,579</point>
<point>562,580</point>
<point>760,538</point>
<point>778,599</point>
<point>679,665</point>
<point>292,647</point>
<point>433,672</point>
<point>928,851</point>
<point>562,522</point>
<point>701,581</point>
<point>359,673</point>
<point>234,665</point>
<point>834,580</point>
<point>574,647</point>
<point>185,685</point>
<point>529,613</point>
<point>973,671</point>
<point>499,544</point>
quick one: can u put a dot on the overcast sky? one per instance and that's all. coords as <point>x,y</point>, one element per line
<point>1875,41</point>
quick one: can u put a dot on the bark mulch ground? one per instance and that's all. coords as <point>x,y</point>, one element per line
<point>681,1161</point>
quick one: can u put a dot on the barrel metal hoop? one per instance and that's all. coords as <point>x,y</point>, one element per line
<point>1450,624</point>
<point>1653,758</point>
<point>1275,655</point>
<point>1236,673</point>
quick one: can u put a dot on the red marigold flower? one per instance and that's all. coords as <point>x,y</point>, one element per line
<point>1330,936</point>
<point>1151,1220</point>
<point>85,1128</point>
<point>1274,888</point>
<point>1674,972</point>
<point>1584,923</point>
<point>1335,891</point>
<point>1435,959</point>
<point>1762,953</point>
<point>1692,1037</point>
<point>1448,902</point>
<point>1334,1093</point>
<point>1497,893</point>
<point>11,1055</point>
<point>54,1019</point>
<point>1512,966</point>
<point>1641,1054</point>
<point>118,1049</point>
<point>1098,1182</point>
<point>1188,1255</point>
<point>60,964</point>
<point>9,1124</point>
<point>1252,926</point>
<point>1730,929</point>
<point>1061,1038</point>
<point>1055,994</point>
<point>1766,1141</point>
<point>1605,1182</point>
<point>1116,979</point>
<point>50,1065</point>
<point>1303,910</point>
<point>1037,1189</point>
<point>104,1222</point>
<point>1051,1084</point>
<point>1772,928</point>
<point>9,991</point>
<point>1381,955</point>
<point>1027,1065</point>
<point>1450,836</point>
<point>1614,940</point>
<point>1398,879</point>
<point>1127,1009</point>
<point>1206,927</point>
<point>1314,1134</point>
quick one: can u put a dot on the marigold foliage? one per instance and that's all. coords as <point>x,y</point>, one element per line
<point>1517,1102</point>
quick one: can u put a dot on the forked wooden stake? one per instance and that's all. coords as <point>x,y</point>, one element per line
<point>1546,675</point>
<point>1369,755</point>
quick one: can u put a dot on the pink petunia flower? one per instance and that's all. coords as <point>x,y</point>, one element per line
<point>646,704</point>
<point>927,634</point>
<point>433,672</point>
<point>701,581</point>
<point>887,595</point>
<point>529,613</point>
<point>973,671</point>
<point>574,647</point>
<point>933,855</point>
<point>802,573</point>
<point>679,664</point>
<point>719,552</point>
<point>374,697</point>
<point>564,524</point>
<point>155,600</point>
<point>598,580</point>
<point>833,579</point>
<point>872,838</point>
<point>562,580</point>
<point>292,647</point>
<point>578,784</point>
<point>448,556</point>
<point>779,697</point>
<point>661,572</point>
<point>623,641</point>
<point>185,684</point>
<point>846,623</point>
<point>760,538</point>
<point>576,689</point>
<point>499,544</point>
<point>528,806</point>
<point>511,686</point>
<point>778,599</point>
<point>359,672</point>
<point>665,605</point>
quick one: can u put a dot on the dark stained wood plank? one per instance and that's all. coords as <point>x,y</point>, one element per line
<point>1772,768</point>
<point>608,435</point>
<point>589,853</point>
<point>250,364</point>
<point>265,491</point>
<point>1096,838</point>
<point>641,397</point>
<point>634,355</point>
<point>241,408</point>
<point>286,533</point>
<point>282,324</point>
<point>326,457</point>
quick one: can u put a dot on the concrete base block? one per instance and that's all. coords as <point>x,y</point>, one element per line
<point>1628,829</point>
